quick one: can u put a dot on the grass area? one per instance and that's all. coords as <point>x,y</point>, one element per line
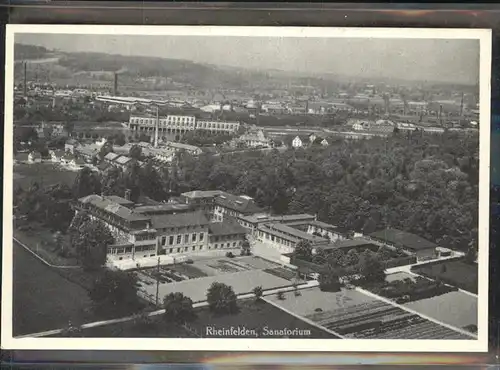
<point>42,298</point>
<point>252,315</point>
<point>46,173</point>
<point>457,273</point>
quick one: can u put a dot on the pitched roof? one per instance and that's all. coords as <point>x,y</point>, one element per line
<point>122,160</point>
<point>403,238</point>
<point>202,194</point>
<point>111,156</point>
<point>162,208</point>
<point>119,200</point>
<point>241,204</point>
<point>350,243</point>
<point>285,230</point>
<point>304,217</point>
<point>179,220</point>
<point>226,228</point>
<point>113,207</point>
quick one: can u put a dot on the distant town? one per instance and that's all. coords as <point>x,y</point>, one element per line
<point>293,207</point>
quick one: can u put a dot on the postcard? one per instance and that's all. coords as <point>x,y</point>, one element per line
<point>246,188</point>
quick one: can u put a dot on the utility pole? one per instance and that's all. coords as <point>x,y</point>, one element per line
<point>157,123</point>
<point>157,281</point>
<point>25,80</point>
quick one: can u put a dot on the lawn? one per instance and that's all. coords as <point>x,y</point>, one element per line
<point>43,299</point>
<point>455,308</point>
<point>252,315</point>
<point>457,273</point>
<point>189,270</point>
<point>47,173</point>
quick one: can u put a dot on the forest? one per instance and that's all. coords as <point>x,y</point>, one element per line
<point>427,185</point>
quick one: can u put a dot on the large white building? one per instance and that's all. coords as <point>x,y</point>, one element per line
<point>177,124</point>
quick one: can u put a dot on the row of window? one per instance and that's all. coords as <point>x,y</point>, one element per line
<point>130,249</point>
<point>276,239</point>
<point>178,239</point>
<point>186,122</point>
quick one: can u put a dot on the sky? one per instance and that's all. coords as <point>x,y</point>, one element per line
<point>451,60</point>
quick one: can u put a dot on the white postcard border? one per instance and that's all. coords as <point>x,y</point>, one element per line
<point>316,345</point>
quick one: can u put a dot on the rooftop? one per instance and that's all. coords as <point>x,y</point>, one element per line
<point>110,206</point>
<point>350,243</point>
<point>282,229</point>
<point>179,220</point>
<point>123,160</point>
<point>119,200</point>
<point>404,239</point>
<point>111,156</point>
<point>241,204</point>
<point>202,194</point>
<point>226,228</point>
<point>161,208</point>
<point>284,218</point>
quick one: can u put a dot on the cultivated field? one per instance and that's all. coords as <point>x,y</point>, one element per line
<point>356,315</point>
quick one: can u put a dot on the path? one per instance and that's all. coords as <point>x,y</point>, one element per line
<point>309,284</point>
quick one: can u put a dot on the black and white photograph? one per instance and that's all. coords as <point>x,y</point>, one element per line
<point>177,188</point>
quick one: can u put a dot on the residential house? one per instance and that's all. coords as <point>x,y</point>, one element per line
<point>312,138</point>
<point>70,145</point>
<point>297,142</point>
<point>110,157</point>
<point>255,139</point>
<point>122,161</point>
<point>56,155</point>
<point>34,157</point>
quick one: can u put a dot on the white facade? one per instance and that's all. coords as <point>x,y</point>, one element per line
<point>297,142</point>
<point>180,124</point>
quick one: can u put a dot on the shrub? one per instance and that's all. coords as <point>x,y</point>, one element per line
<point>230,255</point>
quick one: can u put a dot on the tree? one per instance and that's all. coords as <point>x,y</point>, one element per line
<point>178,308</point>
<point>113,182</point>
<point>91,244</point>
<point>105,149</point>
<point>114,294</point>
<point>471,255</point>
<point>245,248</point>
<point>86,183</point>
<point>280,295</point>
<point>303,251</point>
<point>329,280</point>
<point>221,298</point>
<point>135,152</point>
<point>320,257</point>
<point>258,292</point>
<point>370,267</point>
<point>351,258</point>
<point>150,182</point>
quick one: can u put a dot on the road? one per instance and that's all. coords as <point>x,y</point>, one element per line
<point>43,299</point>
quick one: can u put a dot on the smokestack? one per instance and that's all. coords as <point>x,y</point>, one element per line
<point>441,114</point>
<point>157,124</point>
<point>307,106</point>
<point>25,81</point>
<point>462,106</point>
<point>115,86</point>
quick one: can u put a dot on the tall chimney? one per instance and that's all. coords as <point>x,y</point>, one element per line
<point>441,114</point>
<point>157,124</point>
<point>307,106</point>
<point>115,86</point>
<point>25,80</point>
<point>462,106</point>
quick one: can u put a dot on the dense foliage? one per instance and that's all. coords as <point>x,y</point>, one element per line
<point>114,294</point>
<point>91,243</point>
<point>204,138</point>
<point>46,205</point>
<point>427,185</point>
<point>221,298</point>
<point>178,308</point>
